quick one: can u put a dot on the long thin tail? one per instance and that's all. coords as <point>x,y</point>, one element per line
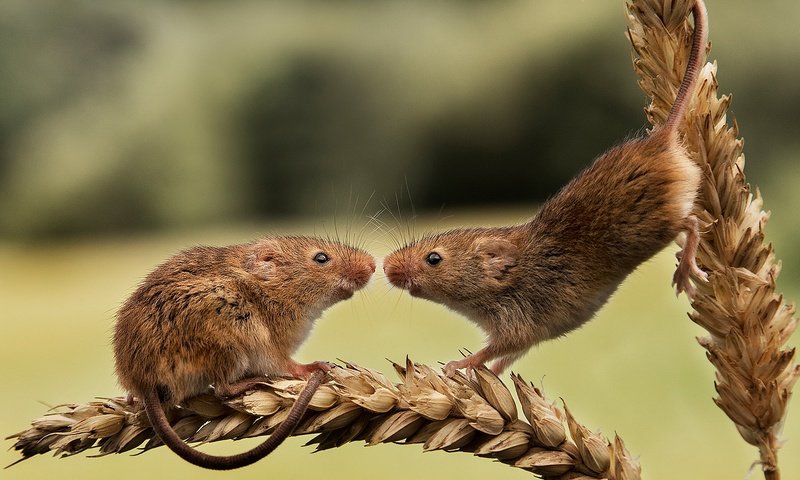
<point>699,42</point>
<point>171,439</point>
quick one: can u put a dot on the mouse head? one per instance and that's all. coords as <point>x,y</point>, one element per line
<point>313,271</point>
<point>455,268</point>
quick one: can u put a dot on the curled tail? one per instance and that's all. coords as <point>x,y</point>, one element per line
<point>171,439</point>
<point>699,42</point>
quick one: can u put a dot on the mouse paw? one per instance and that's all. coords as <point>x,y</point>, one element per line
<point>321,365</point>
<point>687,264</point>
<point>451,367</point>
<point>228,390</point>
<point>681,280</point>
<point>305,370</point>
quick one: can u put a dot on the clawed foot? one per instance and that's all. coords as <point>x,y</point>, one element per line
<point>687,268</point>
<point>305,370</point>
<point>451,367</point>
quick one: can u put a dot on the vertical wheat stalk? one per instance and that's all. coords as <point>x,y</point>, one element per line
<point>748,324</point>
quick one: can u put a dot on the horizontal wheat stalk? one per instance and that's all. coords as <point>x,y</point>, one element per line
<point>477,415</point>
<point>748,323</point>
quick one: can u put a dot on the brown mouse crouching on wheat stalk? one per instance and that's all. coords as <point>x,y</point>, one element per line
<point>224,316</point>
<point>532,282</point>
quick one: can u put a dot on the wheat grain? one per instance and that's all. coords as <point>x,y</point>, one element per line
<point>476,415</point>
<point>748,323</point>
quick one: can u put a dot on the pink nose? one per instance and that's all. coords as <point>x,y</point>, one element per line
<point>396,275</point>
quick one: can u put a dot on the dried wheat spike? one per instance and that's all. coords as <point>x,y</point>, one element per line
<point>748,323</point>
<point>476,415</point>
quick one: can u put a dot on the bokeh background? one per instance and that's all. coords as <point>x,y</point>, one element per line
<point>130,130</point>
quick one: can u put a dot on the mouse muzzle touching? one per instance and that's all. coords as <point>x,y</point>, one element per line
<point>355,276</point>
<point>401,272</point>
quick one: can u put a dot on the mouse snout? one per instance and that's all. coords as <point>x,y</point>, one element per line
<point>360,273</point>
<point>366,271</point>
<point>398,272</point>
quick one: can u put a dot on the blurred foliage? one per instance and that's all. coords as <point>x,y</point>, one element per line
<point>118,115</point>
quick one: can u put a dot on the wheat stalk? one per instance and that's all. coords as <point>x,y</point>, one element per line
<point>476,415</point>
<point>748,323</point>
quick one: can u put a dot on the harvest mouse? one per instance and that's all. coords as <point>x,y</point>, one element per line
<point>218,315</point>
<point>532,282</point>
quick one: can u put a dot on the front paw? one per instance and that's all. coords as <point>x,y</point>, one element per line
<point>451,367</point>
<point>321,365</point>
<point>305,370</point>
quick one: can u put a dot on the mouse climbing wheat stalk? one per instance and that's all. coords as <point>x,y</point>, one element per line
<point>226,316</point>
<point>532,282</point>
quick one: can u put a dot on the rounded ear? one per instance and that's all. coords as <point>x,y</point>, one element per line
<point>267,250</point>
<point>499,257</point>
<point>261,262</point>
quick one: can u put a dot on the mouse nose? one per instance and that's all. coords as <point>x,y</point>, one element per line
<point>397,274</point>
<point>360,272</point>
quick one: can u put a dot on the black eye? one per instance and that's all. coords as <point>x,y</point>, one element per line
<point>321,258</point>
<point>433,259</point>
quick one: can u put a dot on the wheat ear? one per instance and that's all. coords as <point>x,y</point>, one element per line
<point>748,323</point>
<point>476,415</point>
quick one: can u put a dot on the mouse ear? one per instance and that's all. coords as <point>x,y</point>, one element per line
<point>499,256</point>
<point>260,262</point>
<point>267,250</point>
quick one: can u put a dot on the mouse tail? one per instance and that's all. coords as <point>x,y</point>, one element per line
<point>166,433</point>
<point>690,76</point>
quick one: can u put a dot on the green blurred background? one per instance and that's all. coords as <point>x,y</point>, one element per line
<point>130,130</point>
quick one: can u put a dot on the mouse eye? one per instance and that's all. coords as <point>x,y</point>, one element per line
<point>321,258</point>
<point>433,259</point>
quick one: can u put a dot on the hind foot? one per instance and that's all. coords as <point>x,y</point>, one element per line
<point>239,387</point>
<point>687,264</point>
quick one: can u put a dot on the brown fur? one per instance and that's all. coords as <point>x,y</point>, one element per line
<point>532,282</point>
<point>214,315</point>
